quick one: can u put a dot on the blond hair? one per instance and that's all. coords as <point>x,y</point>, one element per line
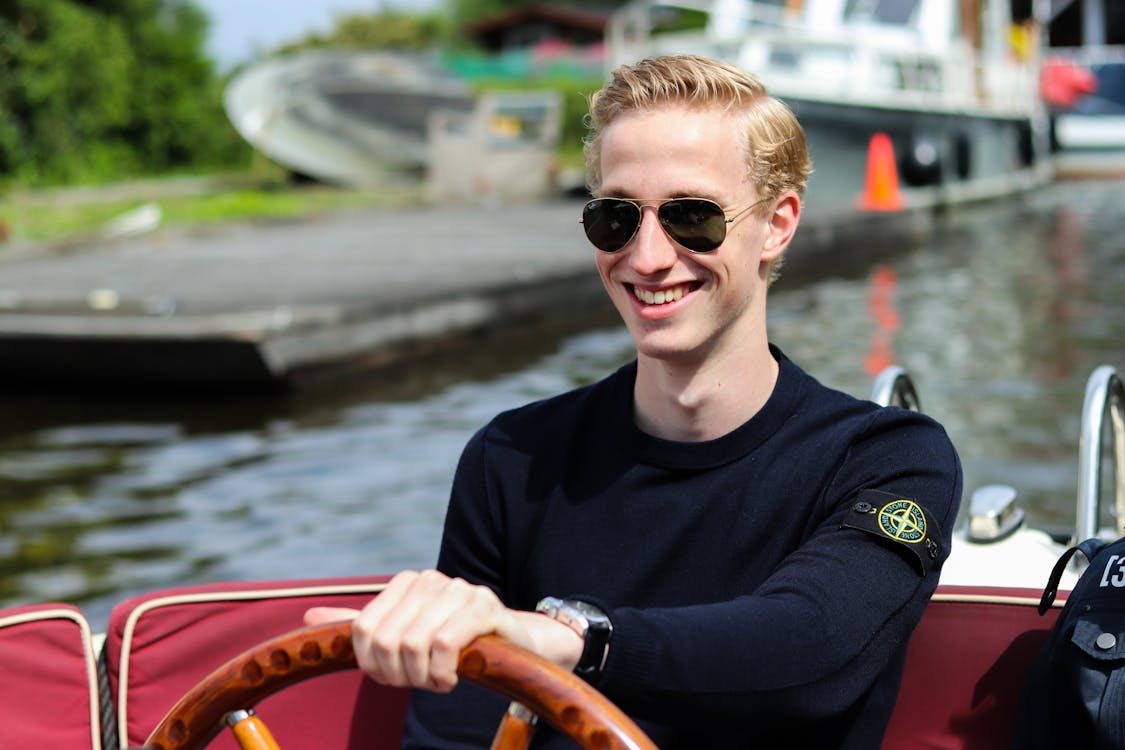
<point>777,157</point>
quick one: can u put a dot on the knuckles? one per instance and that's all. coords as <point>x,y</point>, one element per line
<point>424,657</point>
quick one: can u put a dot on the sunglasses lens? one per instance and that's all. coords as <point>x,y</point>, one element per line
<point>699,225</point>
<point>610,223</point>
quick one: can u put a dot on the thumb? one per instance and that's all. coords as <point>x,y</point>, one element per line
<point>320,615</point>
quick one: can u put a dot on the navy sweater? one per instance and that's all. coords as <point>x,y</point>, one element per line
<point>752,604</point>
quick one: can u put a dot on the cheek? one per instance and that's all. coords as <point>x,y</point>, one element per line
<point>748,242</point>
<point>606,262</point>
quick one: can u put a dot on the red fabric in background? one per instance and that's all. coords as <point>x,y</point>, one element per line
<point>1062,83</point>
<point>45,686</point>
<point>965,669</point>
<point>177,644</point>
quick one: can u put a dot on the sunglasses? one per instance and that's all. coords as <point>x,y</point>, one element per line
<point>698,224</point>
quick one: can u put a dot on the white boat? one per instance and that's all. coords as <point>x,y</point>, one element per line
<point>342,117</point>
<point>959,103</point>
<point>1085,86</point>
<point>361,118</point>
<point>1083,79</point>
<point>1096,122</point>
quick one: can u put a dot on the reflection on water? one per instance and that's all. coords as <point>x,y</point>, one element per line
<point>1000,318</point>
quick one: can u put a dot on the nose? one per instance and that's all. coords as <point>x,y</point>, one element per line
<point>651,250</point>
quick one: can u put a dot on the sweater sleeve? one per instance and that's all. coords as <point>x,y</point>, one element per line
<point>821,629</point>
<point>468,717</point>
<point>471,544</point>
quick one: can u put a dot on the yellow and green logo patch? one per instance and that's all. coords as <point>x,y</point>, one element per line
<point>900,521</point>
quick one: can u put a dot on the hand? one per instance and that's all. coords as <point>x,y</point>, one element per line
<point>412,633</point>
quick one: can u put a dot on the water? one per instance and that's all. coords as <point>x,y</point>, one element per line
<point>1000,317</point>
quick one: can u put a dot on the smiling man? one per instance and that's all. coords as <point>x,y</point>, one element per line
<point>703,535</point>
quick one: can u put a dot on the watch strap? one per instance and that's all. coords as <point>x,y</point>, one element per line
<point>592,626</point>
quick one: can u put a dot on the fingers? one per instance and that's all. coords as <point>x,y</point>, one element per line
<point>319,615</point>
<point>413,632</point>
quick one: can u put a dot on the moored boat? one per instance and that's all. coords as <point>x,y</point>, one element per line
<point>1095,122</point>
<point>1084,84</point>
<point>959,104</point>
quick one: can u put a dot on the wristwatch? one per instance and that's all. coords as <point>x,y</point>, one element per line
<point>591,625</point>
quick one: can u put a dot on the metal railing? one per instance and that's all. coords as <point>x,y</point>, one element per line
<point>1104,403</point>
<point>894,387</point>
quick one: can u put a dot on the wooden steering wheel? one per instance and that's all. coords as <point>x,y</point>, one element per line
<point>557,696</point>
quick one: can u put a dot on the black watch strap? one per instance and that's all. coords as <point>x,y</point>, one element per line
<point>590,623</point>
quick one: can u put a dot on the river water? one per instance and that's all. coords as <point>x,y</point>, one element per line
<point>1000,316</point>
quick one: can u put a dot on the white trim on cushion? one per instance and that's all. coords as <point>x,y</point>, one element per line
<point>87,652</point>
<point>976,598</point>
<point>204,597</point>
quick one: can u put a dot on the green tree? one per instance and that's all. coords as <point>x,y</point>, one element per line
<point>177,116</point>
<point>67,79</point>
<point>385,29</point>
<point>101,89</point>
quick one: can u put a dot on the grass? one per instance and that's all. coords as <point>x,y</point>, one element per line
<point>74,213</point>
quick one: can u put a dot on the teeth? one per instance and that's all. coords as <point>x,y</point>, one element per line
<point>659,298</point>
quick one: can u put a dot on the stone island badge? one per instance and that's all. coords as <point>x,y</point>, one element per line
<point>903,520</point>
<point>900,521</point>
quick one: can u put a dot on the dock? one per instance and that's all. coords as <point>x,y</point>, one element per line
<point>253,305</point>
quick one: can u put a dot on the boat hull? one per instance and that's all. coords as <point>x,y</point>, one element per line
<point>341,117</point>
<point>939,157</point>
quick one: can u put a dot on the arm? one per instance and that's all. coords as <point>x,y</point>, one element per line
<point>412,633</point>
<point>826,623</point>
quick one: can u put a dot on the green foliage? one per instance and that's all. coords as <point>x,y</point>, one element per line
<point>104,89</point>
<point>101,90</point>
<point>679,19</point>
<point>385,29</point>
<point>466,11</point>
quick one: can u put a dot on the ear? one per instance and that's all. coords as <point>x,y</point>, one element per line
<point>781,225</point>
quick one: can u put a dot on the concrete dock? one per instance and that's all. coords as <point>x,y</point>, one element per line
<point>251,304</point>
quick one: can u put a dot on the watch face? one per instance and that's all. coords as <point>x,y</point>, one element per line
<point>586,609</point>
<point>594,616</point>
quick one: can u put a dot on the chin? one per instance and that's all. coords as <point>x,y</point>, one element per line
<point>665,348</point>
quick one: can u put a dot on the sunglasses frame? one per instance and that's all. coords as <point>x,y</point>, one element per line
<point>640,204</point>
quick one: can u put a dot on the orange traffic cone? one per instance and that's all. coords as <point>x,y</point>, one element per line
<point>881,191</point>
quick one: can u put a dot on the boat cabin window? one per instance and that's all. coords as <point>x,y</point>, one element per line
<point>891,12</point>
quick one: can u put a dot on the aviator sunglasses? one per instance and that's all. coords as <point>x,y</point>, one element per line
<point>698,224</point>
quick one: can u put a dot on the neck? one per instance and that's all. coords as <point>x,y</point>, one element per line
<point>697,402</point>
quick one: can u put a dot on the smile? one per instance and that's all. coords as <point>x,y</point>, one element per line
<point>662,297</point>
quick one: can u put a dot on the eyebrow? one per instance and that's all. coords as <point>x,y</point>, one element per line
<point>626,195</point>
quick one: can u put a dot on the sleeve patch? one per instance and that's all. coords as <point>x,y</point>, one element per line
<point>899,521</point>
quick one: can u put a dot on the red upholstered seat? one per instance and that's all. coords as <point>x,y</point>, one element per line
<point>160,644</point>
<point>48,679</point>
<point>965,668</point>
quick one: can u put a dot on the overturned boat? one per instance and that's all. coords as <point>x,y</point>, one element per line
<point>342,117</point>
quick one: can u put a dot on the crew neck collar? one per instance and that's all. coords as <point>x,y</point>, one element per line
<point>674,454</point>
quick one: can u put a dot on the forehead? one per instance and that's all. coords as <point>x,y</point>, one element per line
<point>685,150</point>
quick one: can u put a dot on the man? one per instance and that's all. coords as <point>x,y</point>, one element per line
<point>760,546</point>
